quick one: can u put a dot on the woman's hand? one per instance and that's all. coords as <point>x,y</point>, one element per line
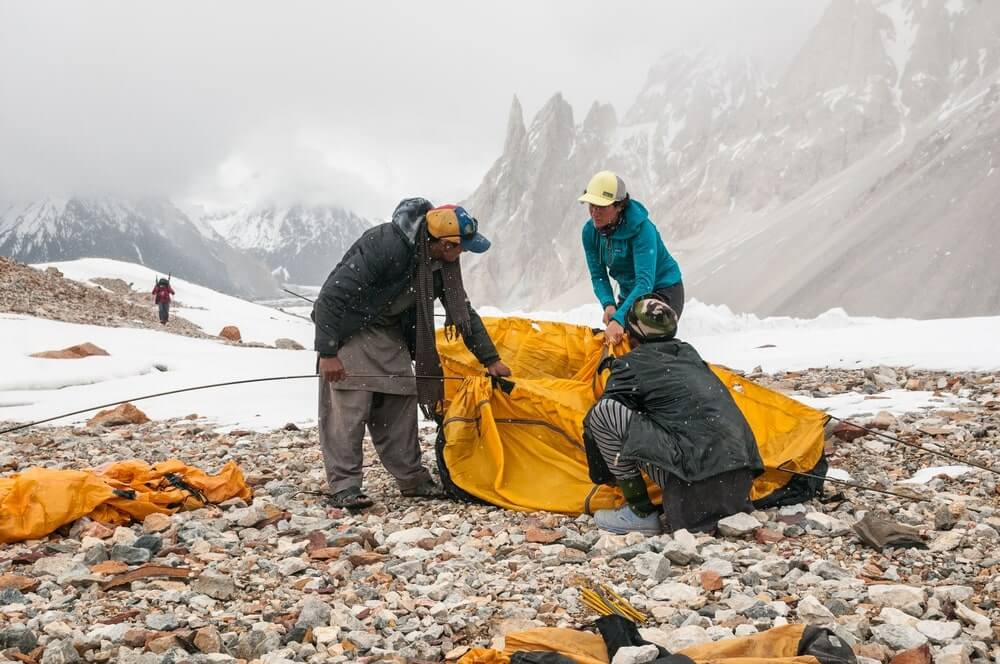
<point>609,312</point>
<point>614,333</point>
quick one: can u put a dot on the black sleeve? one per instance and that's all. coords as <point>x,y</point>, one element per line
<point>480,344</point>
<point>361,269</point>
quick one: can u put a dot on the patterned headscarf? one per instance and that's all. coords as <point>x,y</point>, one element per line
<point>651,319</point>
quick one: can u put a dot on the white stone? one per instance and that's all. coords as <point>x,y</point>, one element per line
<point>939,632</point>
<point>899,637</point>
<point>812,612</point>
<point>684,637</point>
<point>905,598</point>
<point>407,536</point>
<point>674,592</point>
<point>738,525</point>
<point>636,654</point>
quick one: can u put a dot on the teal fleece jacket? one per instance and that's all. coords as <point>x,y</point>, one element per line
<point>634,256</point>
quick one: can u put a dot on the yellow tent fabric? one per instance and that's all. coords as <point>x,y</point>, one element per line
<point>524,450</point>
<point>779,644</point>
<point>40,500</point>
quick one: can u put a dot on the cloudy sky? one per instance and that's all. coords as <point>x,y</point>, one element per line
<point>352,103</point>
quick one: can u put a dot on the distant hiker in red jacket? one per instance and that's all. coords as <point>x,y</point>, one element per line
<point>161,295</point>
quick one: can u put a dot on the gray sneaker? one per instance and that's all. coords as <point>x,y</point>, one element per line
<point>623,520</point>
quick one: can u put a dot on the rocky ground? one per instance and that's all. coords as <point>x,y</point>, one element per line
<point>287,579</point>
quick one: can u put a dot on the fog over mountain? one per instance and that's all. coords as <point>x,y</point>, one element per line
<point>862,177</point>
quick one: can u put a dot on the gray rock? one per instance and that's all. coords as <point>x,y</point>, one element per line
<point>132,555</point>
<point>95,554</point>
<point>812,612</point>
<point>20,637</point>
<point>738,525</point>
<point>898,637</point>
<point>651,565</point>
<point>11,596</point>
<point>162,622</point>
<point>681,549</point>
<point>214,584</point>
<point>939,632</point>
<point>825,524</point>
<point>151,541</point>
<point>314,613</point>
<point>60,651</point>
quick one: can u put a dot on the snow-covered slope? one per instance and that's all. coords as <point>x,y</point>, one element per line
<point>204,307</point>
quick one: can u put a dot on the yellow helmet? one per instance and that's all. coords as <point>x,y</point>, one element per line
<point>604,189</point>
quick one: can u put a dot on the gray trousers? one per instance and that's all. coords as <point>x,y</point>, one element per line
<point>392,421</point>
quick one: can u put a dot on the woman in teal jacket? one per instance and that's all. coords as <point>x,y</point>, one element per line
<point>620,241</point>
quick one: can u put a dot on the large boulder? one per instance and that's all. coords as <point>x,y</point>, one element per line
<point>123,414</point>
<point>232,333</point>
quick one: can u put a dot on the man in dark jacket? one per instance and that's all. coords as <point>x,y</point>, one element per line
<point>663,411</point>
<point>373,315</point>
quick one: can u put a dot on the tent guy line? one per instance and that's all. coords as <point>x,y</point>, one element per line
<point>506,388</point>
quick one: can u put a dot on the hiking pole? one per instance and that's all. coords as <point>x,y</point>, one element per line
<point>854,485</point>
<point>205,387</point>
<point>918,446</point>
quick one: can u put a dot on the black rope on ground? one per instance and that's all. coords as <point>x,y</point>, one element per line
<point>854,485</point>
<point>918,446</point>
<point>205,387</point>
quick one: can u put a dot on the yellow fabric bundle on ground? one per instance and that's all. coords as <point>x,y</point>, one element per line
<point>524,450</point>
<point>40,500</point>
<point>780,644</point>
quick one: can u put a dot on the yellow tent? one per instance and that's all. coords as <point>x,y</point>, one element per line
<point>40,500</point>
<point>524,450</point>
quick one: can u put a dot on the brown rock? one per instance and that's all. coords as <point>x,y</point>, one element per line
<point>162,644</point>
<point>847,432</point>
<point>710,580</point>
<point>921,655</point>
<point>53,271</point>
<point>366,558</point>
<point>875,651</point>
<point>232,333</point>
<point>123,414</point>
<point>207,640</point>
<point>541,535</point>
<point>109,567</point>
<point>136,638</point>
<point>326,553</point>
<point>22,583</point>
<point>156,523</point>
<point>767,536</point>
<point>95,529</point>
<point>72,353</point>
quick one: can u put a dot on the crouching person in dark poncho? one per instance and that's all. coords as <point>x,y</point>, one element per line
<point>664,412</point>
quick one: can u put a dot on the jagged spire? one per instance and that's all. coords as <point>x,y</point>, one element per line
<point>516,131</point>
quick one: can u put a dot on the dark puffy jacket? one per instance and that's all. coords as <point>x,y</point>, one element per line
<point>377,268</point>
<point>687,422</point>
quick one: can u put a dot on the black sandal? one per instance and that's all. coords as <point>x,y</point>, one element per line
<point>352,498</point>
